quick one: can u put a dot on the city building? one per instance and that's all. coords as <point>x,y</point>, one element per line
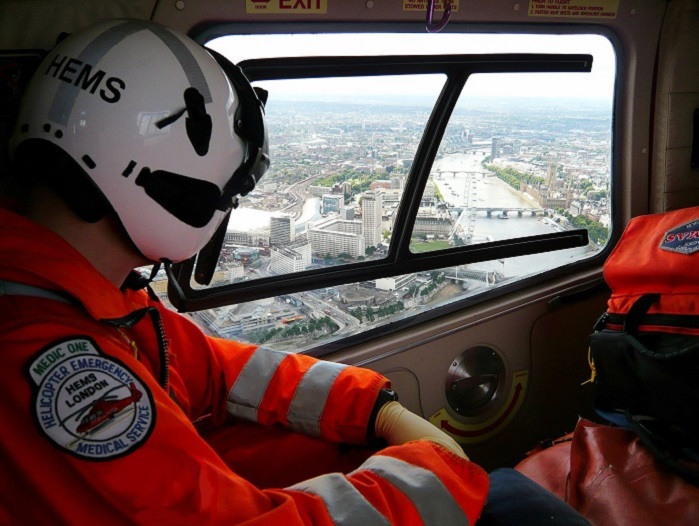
<point>357,296</point>
<point>347,213</point>
<point>372,210</point>
<point>395,282</point>
<point>428,194</point>
<point>241,319</point>
<point>397,183</point>
<point>234,272</point>
<point>386,184</point>
<point>291,258</point>
<point>551,175</point>
<point>282,229</point>
<point>495,148</point>
<point>238,238</point>
<point>430,224</point>
<point>391,198</point>
<point>332,203</point>
<point>336,236</point>
<point>246,255</point>
<point>248,226</point>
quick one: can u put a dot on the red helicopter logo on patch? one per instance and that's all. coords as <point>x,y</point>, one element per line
<point>104,409</point>
<point>89,403</point>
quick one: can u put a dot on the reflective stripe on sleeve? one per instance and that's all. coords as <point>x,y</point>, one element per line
<point>345,504</point>
<point>249,388</point>
<point>310,397</point>
<point>431,498</point>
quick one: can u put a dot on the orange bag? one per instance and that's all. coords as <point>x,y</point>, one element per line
<point>645,348</point>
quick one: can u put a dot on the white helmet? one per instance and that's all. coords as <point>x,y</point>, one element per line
<point>152,119</point>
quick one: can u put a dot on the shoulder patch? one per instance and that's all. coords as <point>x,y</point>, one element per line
<point>683,239</point>
<point>88,403</point>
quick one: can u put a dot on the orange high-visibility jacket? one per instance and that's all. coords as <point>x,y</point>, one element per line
<point>99,388</point>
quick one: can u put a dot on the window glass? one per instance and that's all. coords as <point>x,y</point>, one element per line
<point>339,164</point>
<point>538,145</point>
<point>517,166</point>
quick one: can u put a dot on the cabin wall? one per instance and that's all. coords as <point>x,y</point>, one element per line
<point>675,183</point>
<point>37,24</point>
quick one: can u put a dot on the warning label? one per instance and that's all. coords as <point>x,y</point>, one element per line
<point>421,5</point>
<point>574,8</point>
<point>295,7</point>
<point>472,433</point>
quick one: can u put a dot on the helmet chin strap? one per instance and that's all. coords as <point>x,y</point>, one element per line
<point>206,262</point>
<point>154,272</point>
<point>207,259</point>
<point>172,281</point>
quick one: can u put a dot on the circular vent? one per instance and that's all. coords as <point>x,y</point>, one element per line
<point>473,380</point>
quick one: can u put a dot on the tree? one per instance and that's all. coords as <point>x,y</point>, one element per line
<point>514,177</point>
<point>598,233</point>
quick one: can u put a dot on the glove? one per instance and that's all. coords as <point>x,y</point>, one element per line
<point>396,425</point>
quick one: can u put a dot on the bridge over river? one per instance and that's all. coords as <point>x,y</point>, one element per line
<point>504,211</point>
<point>466,221</point>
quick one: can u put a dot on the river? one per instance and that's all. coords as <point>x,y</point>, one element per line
<point>463,182</point>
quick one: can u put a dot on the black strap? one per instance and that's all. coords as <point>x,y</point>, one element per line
<point>638,311</point>
<point>669,444</point>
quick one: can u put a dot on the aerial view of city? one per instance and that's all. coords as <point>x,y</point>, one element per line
<point>506,168</point>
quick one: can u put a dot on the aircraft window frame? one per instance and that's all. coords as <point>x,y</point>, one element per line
<point>399,260</point>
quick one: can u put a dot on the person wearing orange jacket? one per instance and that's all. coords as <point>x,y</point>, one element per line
<point>132,145</point>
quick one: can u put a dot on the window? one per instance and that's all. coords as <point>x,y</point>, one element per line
<point>362,147</point>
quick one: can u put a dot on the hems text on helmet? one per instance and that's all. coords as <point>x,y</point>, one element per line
<point>81,75</point>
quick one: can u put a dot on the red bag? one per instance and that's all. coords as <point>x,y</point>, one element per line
<point>609,477</point>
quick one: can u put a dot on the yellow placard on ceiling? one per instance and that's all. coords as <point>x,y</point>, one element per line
<point>421,5</point>
<point>294,7</point>
<point>574,8</point>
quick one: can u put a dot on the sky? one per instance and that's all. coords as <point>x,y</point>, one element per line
<point>598,84</point>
